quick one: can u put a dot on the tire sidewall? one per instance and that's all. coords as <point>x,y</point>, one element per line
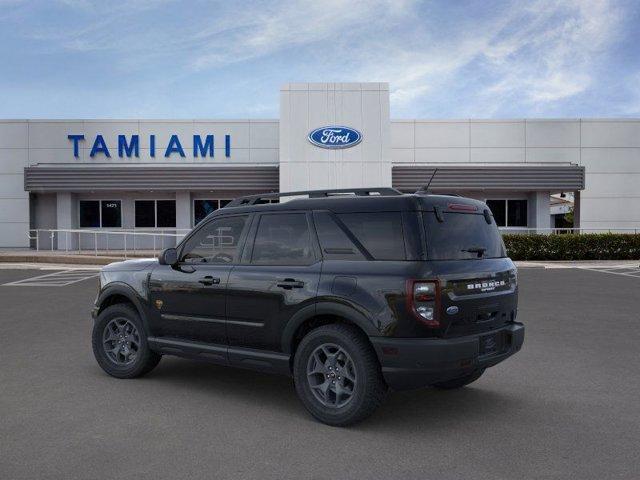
<point>326,414</point>
<point>120,371</point>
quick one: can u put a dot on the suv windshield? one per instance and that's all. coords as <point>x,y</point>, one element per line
<point>462,236</point>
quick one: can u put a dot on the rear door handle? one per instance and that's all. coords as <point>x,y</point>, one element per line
<point>289,283</point>
<point>209,280</point>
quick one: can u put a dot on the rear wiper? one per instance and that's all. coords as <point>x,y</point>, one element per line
<point>479,250</point>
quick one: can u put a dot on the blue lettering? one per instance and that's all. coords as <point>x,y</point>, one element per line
<point>131,148</point>
<point>203,149</point>
<point>75,139</point>
<point>152,146</point>
<point>227,146</point>
<point>174,147</point>
<point>99,146</point>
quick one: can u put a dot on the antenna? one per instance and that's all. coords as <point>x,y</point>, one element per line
<point>426,187</point>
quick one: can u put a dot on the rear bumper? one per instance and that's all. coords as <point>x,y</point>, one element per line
<point>418,362</point>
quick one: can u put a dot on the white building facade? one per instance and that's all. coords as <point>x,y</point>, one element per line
<point>166,175</point>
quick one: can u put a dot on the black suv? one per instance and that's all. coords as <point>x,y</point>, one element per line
<point>350,292</point>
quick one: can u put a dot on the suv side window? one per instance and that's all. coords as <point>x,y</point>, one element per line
<point>379,232</point>
<point>334,242</point>
<point>283,239</point>
<point>217,242</point>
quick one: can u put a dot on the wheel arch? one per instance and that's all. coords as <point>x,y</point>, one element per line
<point>319,314</point>
<point>120,293</point>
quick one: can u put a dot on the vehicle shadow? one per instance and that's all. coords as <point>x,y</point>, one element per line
<point>401,411</point>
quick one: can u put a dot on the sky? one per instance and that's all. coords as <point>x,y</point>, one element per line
<point>228,59</point>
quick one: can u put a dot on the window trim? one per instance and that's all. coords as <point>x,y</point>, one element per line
<point>155,212</point>
<point>506,210</point>
<point>100,200</point>
<point>241,243</point>
<point>247,255</point>
<point>348,233</point>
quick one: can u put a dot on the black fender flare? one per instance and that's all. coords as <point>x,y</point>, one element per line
<point>347,312</point>
<point>122,289</point>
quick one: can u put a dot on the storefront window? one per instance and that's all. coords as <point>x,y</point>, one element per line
<point>155,213</point>
<point>111,212</point>
<point>517,213</point>
<point>166,214</point>
<point>202,208</point>
<point>100,213</point>
<point>145,213</point>
<point>90,214</point>
<point>509,213</point>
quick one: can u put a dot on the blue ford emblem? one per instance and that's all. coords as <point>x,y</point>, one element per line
<point>335,136</point>
<point>452,310</point>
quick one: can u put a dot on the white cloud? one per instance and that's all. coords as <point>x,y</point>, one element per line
<point>534,53</point>
<point>542,53</point>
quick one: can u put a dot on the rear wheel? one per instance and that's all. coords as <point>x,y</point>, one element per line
<point>337,375</point>
<point>459,382</point>
<point>120,343</point>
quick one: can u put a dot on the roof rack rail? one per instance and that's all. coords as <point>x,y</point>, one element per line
<point>446,194</point>
<point>358,192</point>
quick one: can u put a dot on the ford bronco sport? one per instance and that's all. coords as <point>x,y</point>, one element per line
<point>349,292</point>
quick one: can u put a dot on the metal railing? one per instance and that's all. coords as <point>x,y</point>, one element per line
<point>130,242</point>
<point>103,242</point>
<point>557,231</point>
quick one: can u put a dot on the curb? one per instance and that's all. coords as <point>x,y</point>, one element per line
<point>59,259</point>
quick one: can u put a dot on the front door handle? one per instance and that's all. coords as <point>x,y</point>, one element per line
<point>209,280</point>
<point>289,283</point>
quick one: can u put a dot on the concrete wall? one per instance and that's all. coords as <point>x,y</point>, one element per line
<point>611,155</point>
<point>14,201</point>
<point>609,150</point>
<point>307,106</point>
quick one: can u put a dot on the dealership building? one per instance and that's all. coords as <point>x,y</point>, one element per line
<point>166,175</point>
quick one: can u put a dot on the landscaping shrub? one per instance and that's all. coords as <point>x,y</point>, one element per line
<point>585,246</point>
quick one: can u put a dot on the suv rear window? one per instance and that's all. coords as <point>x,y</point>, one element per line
<point>459,233</point>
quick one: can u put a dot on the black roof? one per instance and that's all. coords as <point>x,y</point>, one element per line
<point>341,202</point>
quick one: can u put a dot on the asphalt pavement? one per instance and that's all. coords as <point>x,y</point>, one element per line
<point>566,406</point>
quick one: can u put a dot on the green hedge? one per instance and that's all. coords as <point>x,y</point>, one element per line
<point>585,246</point>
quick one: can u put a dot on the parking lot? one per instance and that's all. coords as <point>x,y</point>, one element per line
<point>567,406</point>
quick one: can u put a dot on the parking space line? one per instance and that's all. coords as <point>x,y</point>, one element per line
<point>56,279</point>
<point>624,271</point>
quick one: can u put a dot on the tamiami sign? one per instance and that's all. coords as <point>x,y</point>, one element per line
<point>203,146</point>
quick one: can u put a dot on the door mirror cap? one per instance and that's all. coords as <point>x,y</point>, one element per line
<point>168,257</point>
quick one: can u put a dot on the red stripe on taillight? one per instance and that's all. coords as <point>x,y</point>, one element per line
<point>461,207</point>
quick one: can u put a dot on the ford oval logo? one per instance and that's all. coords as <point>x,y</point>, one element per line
<point>452,310</point>
<point>335,136</point>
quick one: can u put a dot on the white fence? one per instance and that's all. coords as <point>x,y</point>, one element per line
<point>556,231</point>
<point>144,241</point>
<point>124,242</point>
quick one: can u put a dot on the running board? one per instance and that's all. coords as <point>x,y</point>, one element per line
<point>264,361</point>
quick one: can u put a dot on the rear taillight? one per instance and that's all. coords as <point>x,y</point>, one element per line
<point>423,297</point>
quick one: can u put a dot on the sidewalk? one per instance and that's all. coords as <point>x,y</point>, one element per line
<point>68,258</point>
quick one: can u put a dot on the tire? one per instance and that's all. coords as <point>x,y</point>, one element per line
<point>360,378</point>
<point>459,382</point>
<point>137,358</point>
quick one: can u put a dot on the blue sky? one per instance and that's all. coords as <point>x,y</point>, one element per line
<point>227,59</point>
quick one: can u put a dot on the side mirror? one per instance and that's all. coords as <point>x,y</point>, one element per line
<point>168,257</point>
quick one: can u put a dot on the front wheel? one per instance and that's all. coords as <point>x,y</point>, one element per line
<point>459,382</point>
<point>337,375</point>
<point>120,343</point>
